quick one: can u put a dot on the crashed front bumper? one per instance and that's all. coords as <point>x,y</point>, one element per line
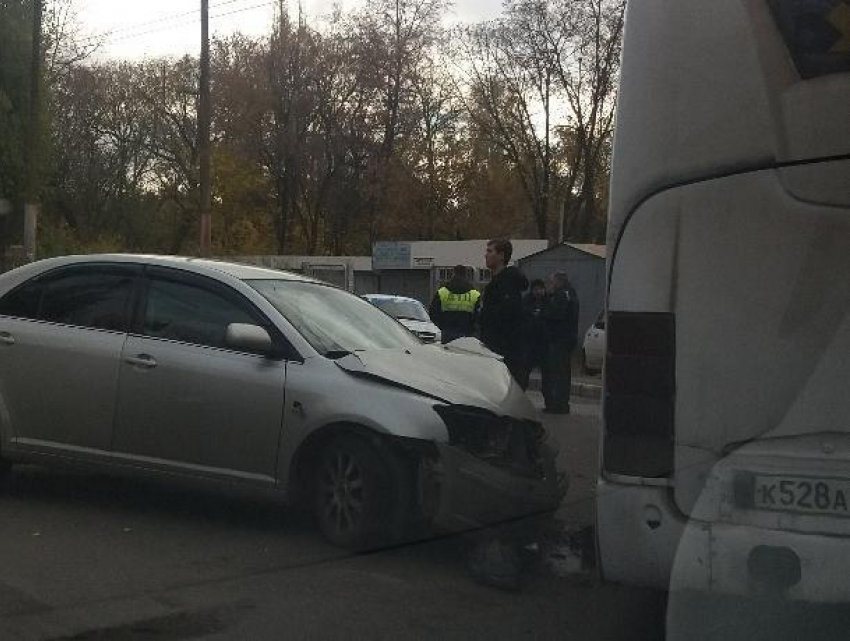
<point>461,492</point>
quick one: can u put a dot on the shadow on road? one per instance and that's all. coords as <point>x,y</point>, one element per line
<point>90,557</point>
<point>122,496</point>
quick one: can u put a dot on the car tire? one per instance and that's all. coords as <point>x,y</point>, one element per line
<point>356,495</point>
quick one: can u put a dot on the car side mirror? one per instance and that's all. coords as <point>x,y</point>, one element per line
<point>249,338</point>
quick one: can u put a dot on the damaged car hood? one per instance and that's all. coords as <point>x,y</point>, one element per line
<point>417,326</point>
<point>449,374</point>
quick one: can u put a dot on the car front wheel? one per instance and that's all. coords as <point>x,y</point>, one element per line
<point>356,494</point>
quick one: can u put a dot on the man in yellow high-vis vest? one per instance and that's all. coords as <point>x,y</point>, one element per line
<point>455,306</point>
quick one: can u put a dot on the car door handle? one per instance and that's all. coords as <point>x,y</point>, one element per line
<point>143,361</point>
<point>6,338</point>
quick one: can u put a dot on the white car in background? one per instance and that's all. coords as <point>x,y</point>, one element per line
<point>410,313</point>
<point>593,352</point>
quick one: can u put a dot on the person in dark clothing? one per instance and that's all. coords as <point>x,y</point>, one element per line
<point>497,560</point>
<point>534,339</point>
<point>561,317</point>
<point>501,309</point>
<point>455,307</point>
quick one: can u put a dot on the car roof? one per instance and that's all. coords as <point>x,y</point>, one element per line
<point>206,266</point>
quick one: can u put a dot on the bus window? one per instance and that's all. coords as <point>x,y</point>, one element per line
<point>817,33</point>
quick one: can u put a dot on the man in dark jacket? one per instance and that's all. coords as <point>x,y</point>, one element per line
<point>501,309</point>
<point>561,316</point>
<point>497,561</point>
<point>534,332</point>
<point>455,306</point>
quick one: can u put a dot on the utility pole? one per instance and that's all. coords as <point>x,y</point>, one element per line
<point>547,152</point>
<point>31,186</point>
<point>562,215</point>
<point>204,117</point>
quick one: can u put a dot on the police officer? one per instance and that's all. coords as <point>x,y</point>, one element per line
<point>561,317</point>
<point>455,306</point>
<point>534,332</point>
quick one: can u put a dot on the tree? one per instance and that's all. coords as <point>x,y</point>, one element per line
<point>327,136</point>
<point>289,50</point>
<point>338,140</point>
<point>399,35</point>
<point>585,40</point>
<point>541,59</point>
<point>14,87</point>
<point>102,139</point>
<point>64,46</point>
<point>508,89</point>
<point>244,203</point>
<point>170,92</point>
<point>435,149</point>
<point>490,200</point>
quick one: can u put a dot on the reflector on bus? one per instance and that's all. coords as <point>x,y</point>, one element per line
<point>639,394</point>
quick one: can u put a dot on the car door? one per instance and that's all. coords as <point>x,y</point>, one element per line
<point>185,399</point>
<point>61,336</point>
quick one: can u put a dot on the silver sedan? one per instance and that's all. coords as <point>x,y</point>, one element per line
<point>223,372</point>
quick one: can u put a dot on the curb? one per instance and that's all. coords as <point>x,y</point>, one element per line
<point>581,390</point>
<point>586,390</point>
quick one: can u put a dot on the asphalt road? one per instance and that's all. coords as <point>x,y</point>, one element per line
<point>89,557</point>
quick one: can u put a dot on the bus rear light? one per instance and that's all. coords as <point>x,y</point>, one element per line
<point>640,390</point>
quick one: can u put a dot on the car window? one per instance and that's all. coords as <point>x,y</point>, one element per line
<point>22,302</point>
<point>88,298</point>
<point>191,314</point>
<point>402,309</point>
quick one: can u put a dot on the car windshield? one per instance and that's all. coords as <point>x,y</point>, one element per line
<point>333,321</point>
<point>402,309</point>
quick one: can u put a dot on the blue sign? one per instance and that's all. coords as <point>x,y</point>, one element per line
<point>391,255</point>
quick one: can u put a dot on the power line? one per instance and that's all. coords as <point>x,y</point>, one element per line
<point>160,20</point>
<point>189,22</point>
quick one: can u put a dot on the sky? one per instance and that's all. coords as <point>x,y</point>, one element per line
<point>139,28</point>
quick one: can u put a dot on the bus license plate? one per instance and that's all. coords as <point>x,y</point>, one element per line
<point>802,494</point>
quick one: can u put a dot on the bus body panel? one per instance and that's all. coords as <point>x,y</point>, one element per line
<point>638,533</point>
<point>762,334</point>
<point>649,249</point>
<point>684,113</point>
<point>717,558</point>
<point>708,89</point>
<point>760,326</point>
<point>729,228</point>
<point>822,183</point>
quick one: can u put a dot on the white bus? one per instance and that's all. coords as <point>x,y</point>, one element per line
<point>725,461</point>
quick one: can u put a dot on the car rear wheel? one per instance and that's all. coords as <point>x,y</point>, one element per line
<point>355,494</point>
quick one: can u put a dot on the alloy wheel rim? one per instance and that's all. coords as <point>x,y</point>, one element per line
<point>342,493</point>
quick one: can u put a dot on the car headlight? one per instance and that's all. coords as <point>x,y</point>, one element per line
<point>500,440</point>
